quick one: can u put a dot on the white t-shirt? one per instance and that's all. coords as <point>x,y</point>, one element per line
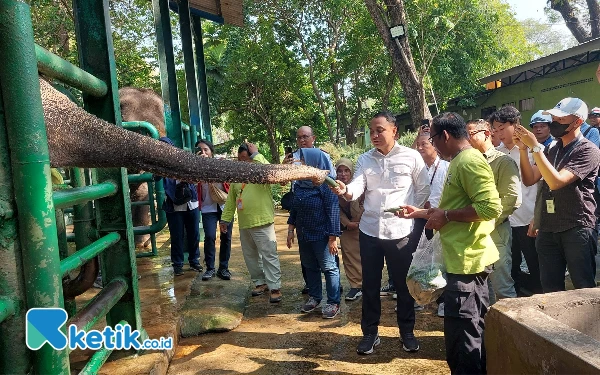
<point>437,175</point>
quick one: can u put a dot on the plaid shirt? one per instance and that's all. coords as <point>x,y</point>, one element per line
<point>315,213</point>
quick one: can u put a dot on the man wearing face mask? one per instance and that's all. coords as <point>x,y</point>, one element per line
<point>565,206</point>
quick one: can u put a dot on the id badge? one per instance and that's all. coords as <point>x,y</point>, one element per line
<point>550,206</point>
<point>240,204</point>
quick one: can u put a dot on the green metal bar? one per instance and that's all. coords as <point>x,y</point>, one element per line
<point>162,216</point>
<point>7,309</point>
<point>142,125</point>
<point>100,305</point>
<point>168,76</point>
<point>61,228</point>
<point>153,218</point>
<point>98,359</point>
<point>185,26</point>
<point>82,256</point>
<point>137,178</point>
<point>55,67</point>
<point>205,130</point>
<point>75,196</point>
<point>31,167</point>
<point>113,214</point>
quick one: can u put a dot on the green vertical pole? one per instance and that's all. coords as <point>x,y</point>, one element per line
<point>30,162</point>
<point>168,76</point>
<point>63,246</point>
<point>14,355</point>
<point>113,214</point>
<point>205,131</point>
<point>185,27</point>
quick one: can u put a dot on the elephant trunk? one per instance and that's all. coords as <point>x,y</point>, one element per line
<point>79,139</point>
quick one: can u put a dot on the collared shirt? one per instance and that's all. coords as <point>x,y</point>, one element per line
<point>547,142</point>
<point>389,181</point>
<point>590,133</point>
<point>437,175</point>
<point>507,179</point>
<point>524,214</point>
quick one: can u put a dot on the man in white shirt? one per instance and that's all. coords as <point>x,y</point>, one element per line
<point>436,168</point>
<point>504,121</point>
<point>391,176</point>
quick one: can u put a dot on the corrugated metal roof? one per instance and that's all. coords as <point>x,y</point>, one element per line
<point>231,11</point>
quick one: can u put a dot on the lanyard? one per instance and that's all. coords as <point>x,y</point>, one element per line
<point>571,147</point>
<point>242,189</point>
<point>435,171</point>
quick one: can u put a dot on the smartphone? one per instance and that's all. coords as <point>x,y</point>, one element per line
<point>288,151</point>
<point>425,123</point>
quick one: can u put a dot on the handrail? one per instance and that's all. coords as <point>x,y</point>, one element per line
<point>89,252</point>
<point>160,197</point>
<point>142,125</point>
<point>7,308</point>
<point>53,66</point>
<point>100,305</point>
<point>93,366</point>
<point>72,197</point>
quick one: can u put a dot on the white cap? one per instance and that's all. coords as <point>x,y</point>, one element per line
<point>569,106</point>
<point>539,116</point>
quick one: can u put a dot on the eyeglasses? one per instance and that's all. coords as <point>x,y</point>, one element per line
<point>433,136</point>
<point>303,137</point>
<point>594,115</point>
<point>475,132</point>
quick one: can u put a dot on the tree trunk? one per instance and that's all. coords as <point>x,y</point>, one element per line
<point>594,10</point>
<point>273,145</point>
<point>401,55</point>
<point>389,86</point>
<point>569,14</point>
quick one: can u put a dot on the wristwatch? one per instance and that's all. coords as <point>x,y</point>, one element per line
<point>537,148</point>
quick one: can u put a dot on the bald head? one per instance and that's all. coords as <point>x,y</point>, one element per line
<point>305,137</point>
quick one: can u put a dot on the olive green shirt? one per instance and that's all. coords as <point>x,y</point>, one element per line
<point>467,248</point>
<point>508,181</point>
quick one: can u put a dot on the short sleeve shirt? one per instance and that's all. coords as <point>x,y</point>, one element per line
<point>574,204</point>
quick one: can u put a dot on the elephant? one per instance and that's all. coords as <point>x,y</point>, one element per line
<point>138,104</point>
<point>79,139</point>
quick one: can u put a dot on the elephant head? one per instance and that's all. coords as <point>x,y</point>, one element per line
<point>79,139</point>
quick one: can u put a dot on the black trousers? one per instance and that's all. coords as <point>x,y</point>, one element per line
<point>466,302</point>
<point>398,256</point>
<point>522,243</point>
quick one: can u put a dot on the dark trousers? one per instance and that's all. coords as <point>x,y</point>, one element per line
<point>522,243</point>
<point>189,222</point>
<point>576,249</point>
<point>398,257</point>
<point>210,223</point>
<point>466,301</point>
<point>413,242</point>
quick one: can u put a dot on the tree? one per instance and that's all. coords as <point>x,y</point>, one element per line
<point>581,17</point>
<point>545,38</point>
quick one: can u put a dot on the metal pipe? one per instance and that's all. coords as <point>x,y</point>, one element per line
<point>30,162</point>
<point>100,305</point>
<point>185,27</point>
<point>142,125</point>
<point>7,308</point>
<point>139,178</point>
<point>55,67</point>
<point>70,305</point>
<point>162,216</point>
<point>205,130</point>
<point>75,196</point>
<point>82,256</point>
<point>98,359</point>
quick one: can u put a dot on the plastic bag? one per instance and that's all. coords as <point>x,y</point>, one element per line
<point>424,278</point>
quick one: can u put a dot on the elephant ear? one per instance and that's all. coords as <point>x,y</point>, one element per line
<point>78,139</point>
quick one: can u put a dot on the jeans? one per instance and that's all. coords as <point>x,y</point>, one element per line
<point>210,222</point>
<point>502,284</point>
<point>576,249</point>
<point>522,243</point>
<point>398,256</point>
<point>179,222</point>
<point>315,257</point>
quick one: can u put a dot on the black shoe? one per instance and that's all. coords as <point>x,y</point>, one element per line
<point>178,271</point>
<point>368,342</point>
<point>224,274</point>
<point>208,275</point>
<point>353,294</point>
<point>196,267</point>
<point>409,342</point>
<point>305,289</point>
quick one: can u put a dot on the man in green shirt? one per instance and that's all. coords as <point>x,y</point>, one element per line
<point>254,204</point>
<point>508,184</point>
<point>465,218</point>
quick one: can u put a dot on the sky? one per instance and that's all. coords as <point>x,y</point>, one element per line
<point>534,9</point>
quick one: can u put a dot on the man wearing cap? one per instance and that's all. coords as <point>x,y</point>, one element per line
<point>591,133</point>
<point>594,117</point>
<point>565,206</point>
<point>540,125</point>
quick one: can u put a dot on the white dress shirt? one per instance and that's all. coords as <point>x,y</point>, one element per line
<point>523,215</point>
<point>437,175</point>
<point>389,181</point>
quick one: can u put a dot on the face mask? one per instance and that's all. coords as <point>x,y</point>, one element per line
<point>559,130</point>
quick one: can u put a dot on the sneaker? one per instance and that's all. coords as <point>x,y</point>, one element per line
<point>368,343</point>
<point>224,274</point>
<point>353,294</point>
<point>395,296</point>
<point>310,305</point>
<point>305,289</point>
<point>418,307</point>
<point>259,290</point>
<point>409,342</point>
<point>440,312</point>
<point>208,275</point>
<point>330,310</point>
<point>196,267</point>
<point>275,296</point>
<point>387,290</point>
<point>178,271</point>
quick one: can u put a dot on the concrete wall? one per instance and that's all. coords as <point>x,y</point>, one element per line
<point>554,333</point>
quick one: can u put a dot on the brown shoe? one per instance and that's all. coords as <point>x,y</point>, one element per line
<point>259,290</point>
<point>275,296</point>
